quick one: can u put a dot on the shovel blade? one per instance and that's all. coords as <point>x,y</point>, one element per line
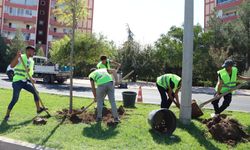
<point>196,111</point>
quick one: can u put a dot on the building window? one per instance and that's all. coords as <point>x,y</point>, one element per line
<point>55,29</point>
<point>28,27</point>
<point>27,36</point>
<point>42,12</point>
<point>40,32</point>
<point>10,25</point>
<point>41,22</point>
<point>43,3</point>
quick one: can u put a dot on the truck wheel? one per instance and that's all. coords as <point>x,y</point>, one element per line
<point>52,79</point>
<point>46,79</point>
<point>10,75</point>
<point>60,81</point>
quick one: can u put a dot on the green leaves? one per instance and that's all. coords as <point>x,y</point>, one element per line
<point>88,48</point>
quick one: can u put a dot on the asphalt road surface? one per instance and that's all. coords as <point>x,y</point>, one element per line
<point>150,95</point>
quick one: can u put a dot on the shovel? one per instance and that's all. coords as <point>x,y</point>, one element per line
<point>85,108</point>
<point>27,71</point>
<point>196,109</point>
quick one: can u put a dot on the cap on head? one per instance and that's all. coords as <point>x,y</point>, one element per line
<point>103,57</point>
<point>228,63</point>
<point>30,47</point>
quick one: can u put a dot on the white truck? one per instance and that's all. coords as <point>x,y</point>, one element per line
<point>46,70</point>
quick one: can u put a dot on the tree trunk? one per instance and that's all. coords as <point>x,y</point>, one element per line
<point>71,61</point>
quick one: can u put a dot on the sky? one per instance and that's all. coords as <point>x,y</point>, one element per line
<point>148,19</point>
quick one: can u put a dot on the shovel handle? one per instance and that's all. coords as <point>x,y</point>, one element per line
<point>31,80</point>
<point>221,95</point>
<point>84,109</point>
<point>126,76</point>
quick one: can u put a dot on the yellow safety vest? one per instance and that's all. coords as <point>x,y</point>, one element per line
<point>19,70</point>
<point>228,83</point>
<point>164,81</point>
<point>101,76</point>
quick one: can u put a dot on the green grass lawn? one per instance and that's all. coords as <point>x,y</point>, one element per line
<point>133,133</point>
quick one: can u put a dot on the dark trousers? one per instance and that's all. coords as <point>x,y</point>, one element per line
<point>225,104</point>
<point>165,101</point>
<point>17,87</point>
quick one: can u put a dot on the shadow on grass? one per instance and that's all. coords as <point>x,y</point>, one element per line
<point>5,127</point>
<point>160,138</point>
<point>198,134</point>
<point>44,141</point>
<point>96,131</point>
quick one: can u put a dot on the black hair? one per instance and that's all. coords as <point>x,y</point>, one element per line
<point>30,47</point>
<point>103,57</point>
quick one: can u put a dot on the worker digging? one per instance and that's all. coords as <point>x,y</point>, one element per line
<point>24,65</point>
<point>221,127</point>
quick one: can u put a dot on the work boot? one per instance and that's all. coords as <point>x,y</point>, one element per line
<point>6,118</point>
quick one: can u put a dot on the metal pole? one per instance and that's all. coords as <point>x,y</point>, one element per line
<point>187,63</point>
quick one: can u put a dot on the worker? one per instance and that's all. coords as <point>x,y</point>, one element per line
<point>20,79</point>
<point>105,86</point>
<point>227,78</point>
<point>170,84</point>
<point>105,63</point>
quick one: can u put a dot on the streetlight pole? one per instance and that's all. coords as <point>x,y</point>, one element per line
<point>187,63</point>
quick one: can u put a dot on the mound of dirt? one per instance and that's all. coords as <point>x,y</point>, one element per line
<point>39,121</point>
<point>226,130</point>
<point>88,117</point>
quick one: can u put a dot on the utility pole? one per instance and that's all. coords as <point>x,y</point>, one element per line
<point>187,63</point>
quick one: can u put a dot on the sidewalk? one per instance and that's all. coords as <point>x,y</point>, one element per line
<point>151,85</point>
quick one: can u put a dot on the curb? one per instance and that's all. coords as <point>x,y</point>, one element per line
<point>11,144</point>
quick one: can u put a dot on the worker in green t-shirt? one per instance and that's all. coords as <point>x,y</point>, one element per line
<point>105,63</point>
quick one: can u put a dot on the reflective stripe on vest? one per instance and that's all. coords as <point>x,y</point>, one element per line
<point>101,76</point>
<point>228,83</point>
<point>175,79</point>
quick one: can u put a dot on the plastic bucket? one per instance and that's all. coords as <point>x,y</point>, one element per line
<point>163,120</point>
<point>129,98</point>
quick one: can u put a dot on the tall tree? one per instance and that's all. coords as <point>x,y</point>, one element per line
<point>244,13</point>
<point>88,48</point>
<point>3,55</point>
<point>70,13</point>
<point>17,43</point>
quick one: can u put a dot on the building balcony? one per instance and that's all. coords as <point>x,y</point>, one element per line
<point>228,4</point>
<point>229,18</point>
<point>7,28</point>
<point>29,42</point>
<point>56,23</point>
<point>20,18</point>
<point>57,34</point>
<point>8,3</point>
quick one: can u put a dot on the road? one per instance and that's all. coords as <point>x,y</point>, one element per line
<point>241,102</point>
